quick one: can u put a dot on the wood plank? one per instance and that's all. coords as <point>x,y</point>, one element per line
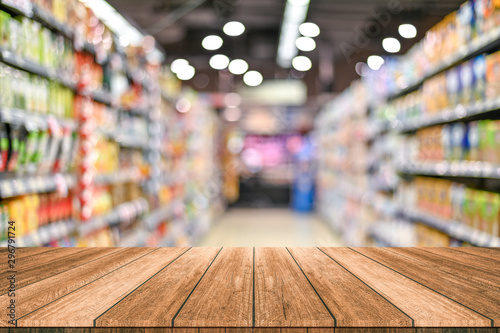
<point>337,287</point>
<point>482,300</point>
<point>426,307</point>
<point>374,330</point>
<point>491,253</point>
<point>20,253</point>
<point>184,330</point>
<point>48,330</point>
<point>43,258</point>
<point>457,330</point>
<point>223,298</point>
<point>320,330</point>
<point>293,330</point>
<point>130,330</point>
<point>36,295</point>
<point>266,330</point>
<point>239,330</point>
<point>81,307</point>
<point>283,296</point>
<point>40,272</point>
<point>488,264</point>
<point>212,330</point>
<point>155,303</point>
<point>478,276</point>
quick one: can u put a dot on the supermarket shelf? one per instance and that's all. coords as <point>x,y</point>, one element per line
<point>135,239</point>
<point>34,184</point>
<point>32,67</point>
<point>452,169</point>
<point>133,144</point>
<point>121,176</point>
<point>125,142</point>
<point>137,112</point>
<point>12,6</point>
<point>46,19</point>
<point>381,238</point>
<point>102,96</point>
<point>476,47</point>
<point>459,112</point>
<point>32,120</point>
<point>122,214</point>
<point>152,220</point>
<point>46,234</point>
<point>455,229</point>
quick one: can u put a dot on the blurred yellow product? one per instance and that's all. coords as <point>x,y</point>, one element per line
<point>16,213</point>
<point>31,203</point>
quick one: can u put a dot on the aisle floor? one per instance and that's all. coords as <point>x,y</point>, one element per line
<point>269,227</point>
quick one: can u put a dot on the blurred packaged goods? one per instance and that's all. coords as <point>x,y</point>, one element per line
<point>93,151</point>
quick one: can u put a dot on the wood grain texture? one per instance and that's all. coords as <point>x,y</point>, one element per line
<point>488,264</point>
<point>425,306</point>
<point>155,303</point>
<point>336,286</point>
<point>239,330</point>
<point>321,330</point>
<point>481,277</point>
<point>482,300</point>
<point>293,330</point>
<point>36,260</point>
<point>457,330</point>
<point>212,330</point>
<point>283,296</point>
<point>36,295</point>
<point>130,330</point>
<point>491,253</point>
<point>374,330</point>
<point>223,298</point>
<point>40,272</point>
<point>81,307</point>
<point>184,330</point>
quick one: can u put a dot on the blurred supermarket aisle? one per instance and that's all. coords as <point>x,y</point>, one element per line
<point>269,227</point>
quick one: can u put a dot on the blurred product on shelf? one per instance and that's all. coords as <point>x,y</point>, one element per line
<point>94,148</point>
<point>430,112</point>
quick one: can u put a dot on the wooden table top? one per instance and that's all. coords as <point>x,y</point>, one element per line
<point>255,289</point>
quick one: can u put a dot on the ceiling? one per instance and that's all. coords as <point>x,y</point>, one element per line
<point>180,25</point>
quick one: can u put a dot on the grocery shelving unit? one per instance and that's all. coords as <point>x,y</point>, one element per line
<point>391,133</point>
<point>145,218</point>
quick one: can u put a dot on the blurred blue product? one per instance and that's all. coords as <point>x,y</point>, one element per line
<point>303,188</point>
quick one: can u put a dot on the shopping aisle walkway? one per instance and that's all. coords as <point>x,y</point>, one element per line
<point>269,227</point>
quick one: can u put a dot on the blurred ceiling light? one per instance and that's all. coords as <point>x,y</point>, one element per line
<point>233,28</point>
<point>407,30</point>
<point>183,105</point>
<point>212,42</point>
<point>294,15</point>
<point>116,22</point>
<point>391,45</point>
<point>375,62</point>
<point>232,100</point>
<point>305,44</point>
<point>252,78</point>
<point>360,68</point>
<point>298,2</point>
<point>302,63</point>
<point>178,64</point>
<point>186,73</point>
<point>219,61</point>
<point>232,114</point>
<point>124,40</point>
<point>238,66</point>
<point>309,29</point>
